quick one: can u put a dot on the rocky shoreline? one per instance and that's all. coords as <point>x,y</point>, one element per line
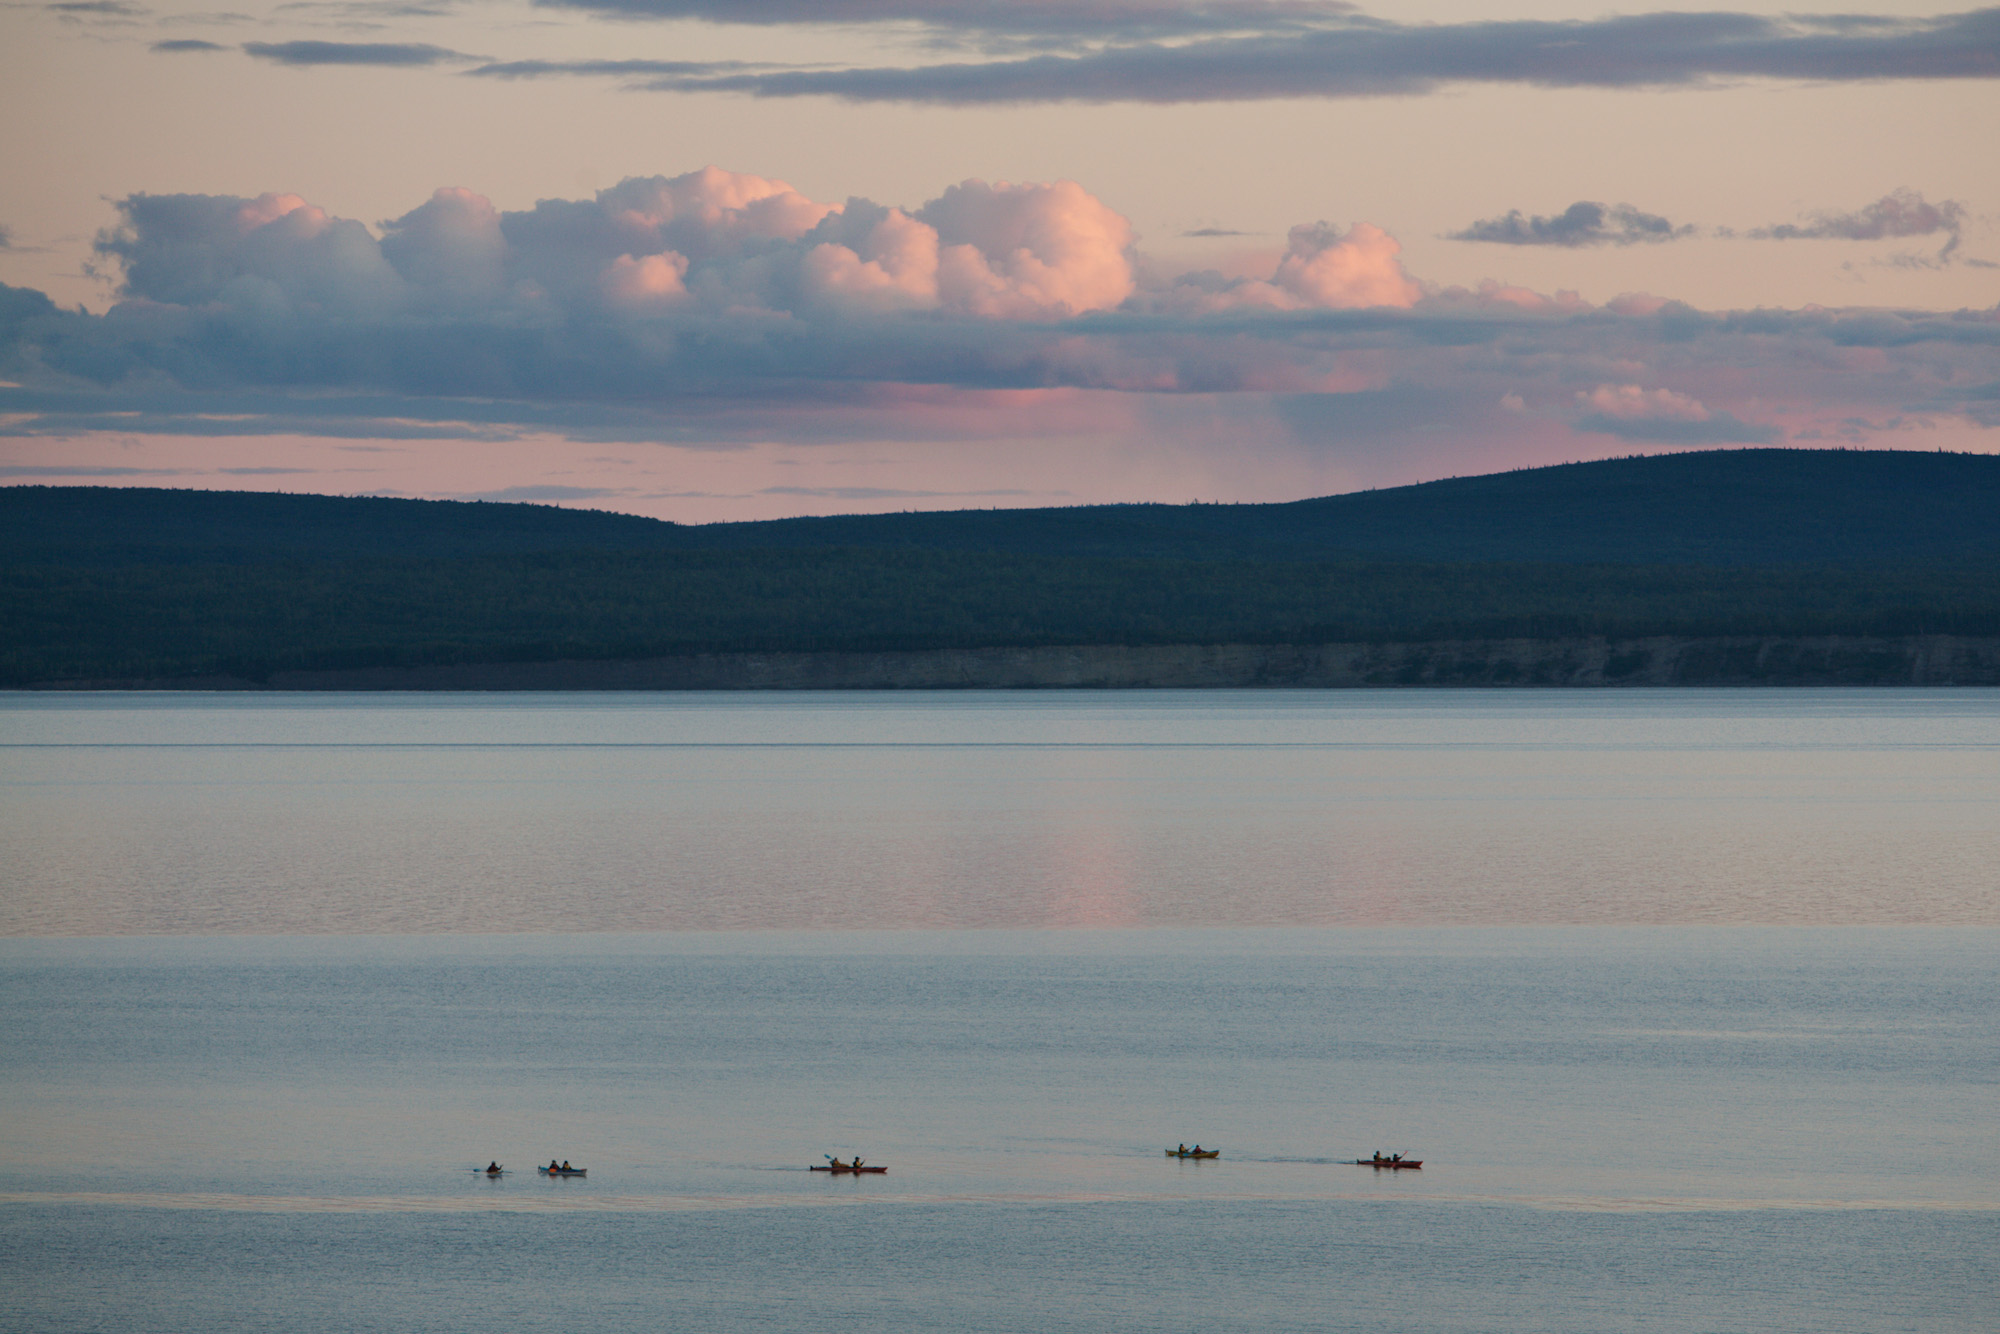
<point>1746,660</point>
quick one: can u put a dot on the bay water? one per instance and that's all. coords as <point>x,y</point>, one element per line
<point>1687,1000</point>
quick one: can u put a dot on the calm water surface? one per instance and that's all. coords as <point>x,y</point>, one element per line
<point>1688,1001</point>
<point>369,813</point>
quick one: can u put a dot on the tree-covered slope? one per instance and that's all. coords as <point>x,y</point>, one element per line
<point>123,622</point>
<point>1753,507</point>
<point>103,584</point>
<point>104,525</point>
<point>1721,508</point>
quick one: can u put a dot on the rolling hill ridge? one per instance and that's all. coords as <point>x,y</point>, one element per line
<point>1724,508</point>
<point>1760,548</point>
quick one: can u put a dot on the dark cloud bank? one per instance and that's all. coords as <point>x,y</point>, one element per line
<point>1066,19</point>
<point>1164,53</point>
<point>1581,224</point>
<point>395,54</point>
<point>1365,57</point>
<point>1899,215</point>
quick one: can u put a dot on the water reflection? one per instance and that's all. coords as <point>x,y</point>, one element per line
<point>184,814</point>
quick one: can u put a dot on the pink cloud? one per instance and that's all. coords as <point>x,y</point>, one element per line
<point>1029,251</point>
<point>1636,304</point>
<point>1492,293</point>
<point>727,240</point>
<point>643,283</point>
<point>1628,402</point>
<point>719,313</point>
<point>1322,268</point>
<point>896,266</point>
<point>268,208</point>
<point>1347,272</point>
<point>727,207</point>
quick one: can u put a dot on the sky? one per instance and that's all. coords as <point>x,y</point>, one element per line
<point>732,259</point>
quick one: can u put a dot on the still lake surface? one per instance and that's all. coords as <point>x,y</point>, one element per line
<point>1689,1001</point>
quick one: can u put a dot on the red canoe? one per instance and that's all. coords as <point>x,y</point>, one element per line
<point>1384,1162</point>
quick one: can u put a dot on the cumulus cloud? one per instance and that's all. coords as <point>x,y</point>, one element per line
<point>1637,303</point>
<point>718,307</point>
<point>269,253</point>
<point>1028,251</point>
<point>1492,294</point>
<point>395,54</point>
<point>1581,224</point>
<point>1362,57</point>
<point>1628,402</point>
<point>1323,268</point>
<point>724,240</point>
<point>1664,416</point>
<point>632,283</point>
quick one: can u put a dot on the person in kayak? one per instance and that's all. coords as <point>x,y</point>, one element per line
<point>493,1168</point>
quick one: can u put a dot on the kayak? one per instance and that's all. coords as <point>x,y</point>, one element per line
<point>1370,1162</point>
<point>843,1168</point>
<point>563,1171</point>
<point>1194,1153</point>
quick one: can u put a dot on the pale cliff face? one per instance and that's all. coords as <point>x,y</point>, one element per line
<point>1940,660</point>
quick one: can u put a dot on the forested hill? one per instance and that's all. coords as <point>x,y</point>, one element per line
<point>101,525</point>
<point>1723,508</point>
<point>1717,508</point>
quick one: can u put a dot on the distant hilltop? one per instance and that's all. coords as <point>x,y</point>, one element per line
<point>1724,508</point>
<point>1727,567</point>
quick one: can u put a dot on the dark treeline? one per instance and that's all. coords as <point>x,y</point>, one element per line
<point>101,622</point>
<point>119,584</point>
<point>1753,507</point>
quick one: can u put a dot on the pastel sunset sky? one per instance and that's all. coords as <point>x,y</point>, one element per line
<point>730,259</point>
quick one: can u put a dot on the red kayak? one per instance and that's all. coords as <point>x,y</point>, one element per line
<point>1389,1162</point>
<point>843,1167</point>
